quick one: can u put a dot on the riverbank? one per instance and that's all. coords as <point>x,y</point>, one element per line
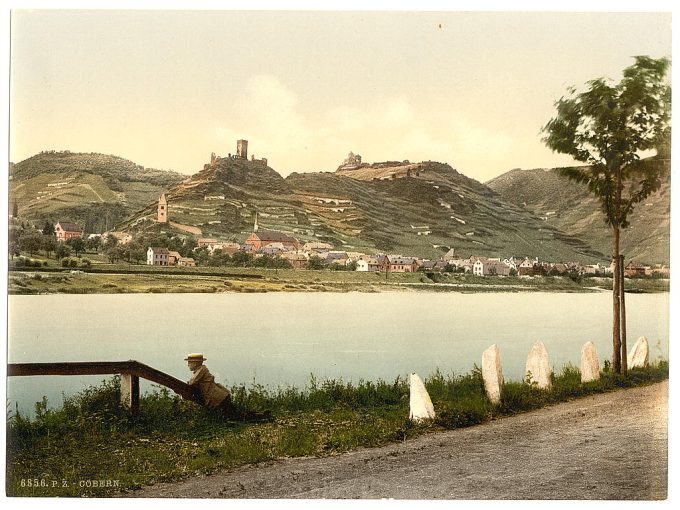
<point>563,452</point>
<point>144,279</point>
<point>92,438</point>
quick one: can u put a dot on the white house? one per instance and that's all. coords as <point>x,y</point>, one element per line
<point>157,256</point>
<point>362,265</point>
<point>478,267</point>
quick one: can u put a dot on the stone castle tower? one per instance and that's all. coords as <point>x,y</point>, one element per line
<point>162,209</point>
<point>242,149</point>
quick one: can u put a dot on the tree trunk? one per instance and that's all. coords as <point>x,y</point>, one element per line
<point>622,291</point>
<point>616,279</point>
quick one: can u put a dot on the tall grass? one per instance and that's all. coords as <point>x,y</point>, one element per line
<point>93,435</point>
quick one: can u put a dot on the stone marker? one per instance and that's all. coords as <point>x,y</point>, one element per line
<point>590,363</point>
<point>538,366</point>
<point>420,403</point>
<point>492,373</point>
<point>639,354</point>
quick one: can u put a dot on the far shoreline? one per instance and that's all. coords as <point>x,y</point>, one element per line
<point>136,280</point>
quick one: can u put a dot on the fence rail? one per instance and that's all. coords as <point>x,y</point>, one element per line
<point>131,371</point>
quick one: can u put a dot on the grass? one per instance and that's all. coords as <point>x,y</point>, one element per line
<point>92,437</point>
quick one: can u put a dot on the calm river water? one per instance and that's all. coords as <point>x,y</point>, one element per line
<point>280,339</point>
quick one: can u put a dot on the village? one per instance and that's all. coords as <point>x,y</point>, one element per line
<point>287,251</point>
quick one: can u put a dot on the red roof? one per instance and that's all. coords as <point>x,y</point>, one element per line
<point>270,235</point>
<point>68,226</point>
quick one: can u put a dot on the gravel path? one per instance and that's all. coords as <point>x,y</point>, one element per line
<point>609,446</point>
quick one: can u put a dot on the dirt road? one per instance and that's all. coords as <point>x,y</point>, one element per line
<point>610,446</point>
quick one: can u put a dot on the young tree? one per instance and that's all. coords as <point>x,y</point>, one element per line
<point>77,244</point>
<point>608,127</point>
<point>49,244</point>
<point>62,251</point>
<point>315,263</point>
<point>94,244</point>
<point>30,241</point>
<point>48,229</point>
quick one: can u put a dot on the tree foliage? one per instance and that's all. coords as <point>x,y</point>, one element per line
<point>609,127</point>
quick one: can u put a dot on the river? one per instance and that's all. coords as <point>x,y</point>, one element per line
<point>281,338</point>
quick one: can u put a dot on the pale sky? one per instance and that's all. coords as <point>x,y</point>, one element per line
<point>166,88</point>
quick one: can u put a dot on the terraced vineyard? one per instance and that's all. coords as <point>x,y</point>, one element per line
<point>568,207</point>
<point>95,190</point>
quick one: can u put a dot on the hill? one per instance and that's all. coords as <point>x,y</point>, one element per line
<point>422,212</point>
<point>568,207</point>
<point>424,209</point>
<point>95,190</point>
<point>221,201</point>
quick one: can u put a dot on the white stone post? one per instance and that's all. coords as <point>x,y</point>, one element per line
<point>538,366</point>
<point>421,407</point>
<point>590,363</point>
<point>639,354</point>
<point>492,373</point>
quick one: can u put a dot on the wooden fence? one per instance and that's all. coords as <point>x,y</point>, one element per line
<point>130,371</point>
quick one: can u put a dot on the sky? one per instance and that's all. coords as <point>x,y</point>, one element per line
<point>166,88</point>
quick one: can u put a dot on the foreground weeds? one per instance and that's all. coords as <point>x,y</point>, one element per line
<point>92,446</point>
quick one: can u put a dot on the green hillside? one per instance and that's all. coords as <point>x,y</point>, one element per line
<point>568,207</point>
<point>95,190</point>
<point>423,214</point>
<point>222,199</point>
<point>430,211</point>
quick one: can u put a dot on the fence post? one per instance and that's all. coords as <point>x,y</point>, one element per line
<point>129,392</point>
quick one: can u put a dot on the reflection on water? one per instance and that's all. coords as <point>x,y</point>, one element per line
<point>280,339</point>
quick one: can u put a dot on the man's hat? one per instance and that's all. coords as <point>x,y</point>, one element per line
<point>195,357</point>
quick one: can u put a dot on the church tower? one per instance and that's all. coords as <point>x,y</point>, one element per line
<point>255,227</point>
<point>162,209</point>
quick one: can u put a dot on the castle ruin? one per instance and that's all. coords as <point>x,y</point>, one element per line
<point>351,162</point>
<point>242,149</point>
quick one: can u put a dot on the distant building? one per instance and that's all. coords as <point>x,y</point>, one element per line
<point>227,247</point>
<point>352,161</point>
<point>451,255</point>
<point>297,260</point>
<point>242,149</point>
<point>186,262</point>
<point>123,237</point>
<point>434,265</point>
<point>207,243</point>
<point>162,209</point>
<point>337,257</point>
<point>173,258</point>
<point>262,238</point>
<point>637,270</point>
<point>66,230</point>
<point>400,264</point>
<point>156,256</point>
<point>316,247</point>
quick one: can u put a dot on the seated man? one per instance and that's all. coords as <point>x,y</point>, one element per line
<point>213,394</point>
